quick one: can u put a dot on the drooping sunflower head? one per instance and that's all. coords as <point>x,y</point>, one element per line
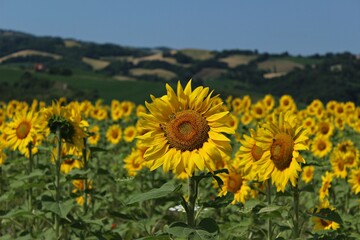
<point>184,130</point>
<point>62,119</point>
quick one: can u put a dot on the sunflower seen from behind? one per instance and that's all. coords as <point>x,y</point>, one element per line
<point>184,130</point>
<point>65,120</point>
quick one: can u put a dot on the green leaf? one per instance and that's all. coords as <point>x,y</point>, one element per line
<point>34,173</point>
<point>16,213</point>
<point>163,191</point>
<point>159,237</point>
<point>180,229</point>
<point>62,209</point>
<point>97,149</point>
<point>209,225</point>
<point>76,173</point>
<point>268,209</point>
<point>328,214</point>
<point>307,188</point>
<point>220,202</point>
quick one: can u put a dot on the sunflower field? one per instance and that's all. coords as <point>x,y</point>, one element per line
<point>187,165</point>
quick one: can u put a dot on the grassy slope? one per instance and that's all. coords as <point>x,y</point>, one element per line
<point>108,88</point>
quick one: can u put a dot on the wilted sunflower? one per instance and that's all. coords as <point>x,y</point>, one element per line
<point>281,142</point>
<point>67,122</point>
<point>23,129</point>
<point>184,130</point>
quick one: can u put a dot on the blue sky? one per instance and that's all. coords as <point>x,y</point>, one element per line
<point>300,27</point>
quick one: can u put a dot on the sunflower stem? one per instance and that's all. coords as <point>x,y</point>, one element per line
<point>296,211</point>
<point>268,198</point>
<point>192,189</point>
<point>85,179</point>
<point>30,200</point>
<point>29,172</point>
<point>57,181</point>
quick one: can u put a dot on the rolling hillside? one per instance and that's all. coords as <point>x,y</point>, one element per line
<point>31,65</point>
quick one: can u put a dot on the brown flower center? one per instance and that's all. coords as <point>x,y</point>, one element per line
<point>23,129</point>
<point>321,145</point>
<point>256,152</point>
<point>234,182</point>
<point>281,150</point>
<point>187,130</point>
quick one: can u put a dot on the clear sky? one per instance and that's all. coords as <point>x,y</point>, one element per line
<point>300,27</point>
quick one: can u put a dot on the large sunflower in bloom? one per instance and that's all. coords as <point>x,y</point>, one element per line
<point>22,130</point>
<point>184,130</point>
<point>281,142</point>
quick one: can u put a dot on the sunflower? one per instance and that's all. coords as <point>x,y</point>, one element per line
<point>235,183</point>
<point>269,102</point>
<point>99,113</point>
<point>286,103</point>
<point>258,110</point>
<point>236,105</point>
<point>140,109</point>
<point>248,154</point>
<point>233,121</point>
<point>322,223</point>
<point>307,174</point>
<point>331,105</point>
<point>79,185</point>
<point>23,129</point>
<point>246,102</point>
<point>68,121</point>
<point>281,142</point>
<point>94,135</point>
<point>246,119</point>
<point>355,180</point>
<point>2,155</point>
<point>127,108</point>
<point>70,158</point>
<point>129,133</point>
<point>339,110</point>
<point>325,128</point>
<point>184,130</point>
<point>86,107</point>
<point>338,164</point>
<point>116,113</point>
<point>114,134</point>
<point>321,146</point>
<point>349,107</point>
<point>134,162</point>
<point>325,185</point>
<point>309,124</point>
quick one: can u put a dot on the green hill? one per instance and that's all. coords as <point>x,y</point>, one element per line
<point>50,67</point>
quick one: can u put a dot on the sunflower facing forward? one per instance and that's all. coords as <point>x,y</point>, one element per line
<point>281,142</point>
<point>184,130</point>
